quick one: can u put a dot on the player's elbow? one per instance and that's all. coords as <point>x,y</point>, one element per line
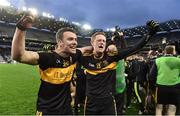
<point>16,56</point>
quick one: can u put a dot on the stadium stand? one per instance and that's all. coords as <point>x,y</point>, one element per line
<point>1,59</point>
<point>43,32</point>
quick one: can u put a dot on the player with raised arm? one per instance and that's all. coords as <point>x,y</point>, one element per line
<point>56,67</point>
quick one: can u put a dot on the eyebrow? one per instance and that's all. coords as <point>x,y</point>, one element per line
<point>71,38</point>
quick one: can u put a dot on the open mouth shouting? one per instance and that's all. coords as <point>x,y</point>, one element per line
<point>101,46</point>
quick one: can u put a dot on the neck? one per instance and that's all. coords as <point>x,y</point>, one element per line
<point>98,55</point>
<point>62,53</point>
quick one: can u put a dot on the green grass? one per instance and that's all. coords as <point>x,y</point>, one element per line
<point>19,85</point>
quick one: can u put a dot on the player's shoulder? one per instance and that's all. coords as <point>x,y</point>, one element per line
<point>87,54</point>
<point>112,53</point>
<point>45,52</point>
<point>49,54</point>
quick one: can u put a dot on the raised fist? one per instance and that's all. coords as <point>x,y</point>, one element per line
<point>26,21</point>
<point>153,27</point>
<point>117,35</point>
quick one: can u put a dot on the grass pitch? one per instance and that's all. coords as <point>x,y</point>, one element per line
<point>19,85</point>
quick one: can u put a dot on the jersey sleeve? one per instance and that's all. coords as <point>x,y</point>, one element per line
<point>43,60</point>
<point>123,53</point>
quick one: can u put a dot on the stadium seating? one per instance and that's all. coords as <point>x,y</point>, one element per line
<point>43,32</point>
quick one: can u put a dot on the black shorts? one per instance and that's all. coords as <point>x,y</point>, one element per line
<point>103,106</point>
<point>167,95</point>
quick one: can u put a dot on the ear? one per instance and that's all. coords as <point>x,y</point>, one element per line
<point>60,43</point>
<point>91,43</point>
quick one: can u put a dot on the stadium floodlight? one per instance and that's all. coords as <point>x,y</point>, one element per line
<point>5,3</point>
<point>76,23</point>
<point>44,14</point>
<point>107,29</point>
<point>87,27</point>
<point>63,19</point>
<point>48,15</point>
<point>112,29</point>
<point>24,8</point>
<point>33,11</point>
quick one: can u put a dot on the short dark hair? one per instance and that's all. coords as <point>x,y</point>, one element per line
<point>60,32</point>
<point>170,49</point>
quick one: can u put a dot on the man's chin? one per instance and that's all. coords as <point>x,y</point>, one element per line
<point>73,52</point>
<point>100,52</point>
<point>70,52</point>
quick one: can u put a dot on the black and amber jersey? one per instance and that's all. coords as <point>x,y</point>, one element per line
<point>56,73</point>
<point>101,72</point>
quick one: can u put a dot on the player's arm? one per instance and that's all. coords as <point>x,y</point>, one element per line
<point>18,51</point>
<point>86,49</point>
<point>130,51</point>
<point>153,28</point>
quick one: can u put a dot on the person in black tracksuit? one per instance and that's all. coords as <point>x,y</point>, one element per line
<point>140,83</point>
<point>136,71</point>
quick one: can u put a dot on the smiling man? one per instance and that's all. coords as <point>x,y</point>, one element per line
<point>56,67</point>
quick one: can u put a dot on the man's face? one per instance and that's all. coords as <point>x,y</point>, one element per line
<point>99,43</point>
<point>69,42</point>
